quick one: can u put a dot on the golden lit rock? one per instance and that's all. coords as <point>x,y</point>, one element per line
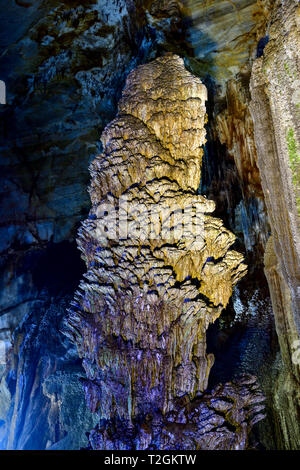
<point>159,266</point>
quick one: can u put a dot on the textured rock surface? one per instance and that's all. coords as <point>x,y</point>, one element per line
<point>234,128</point>
<point>224,34</point>
<point>217,421</point>
<point>42,403</point>
<point>140,316</point>
<point>275,109</point>
<point>65,64</point>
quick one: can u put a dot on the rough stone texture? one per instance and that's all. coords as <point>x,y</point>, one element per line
<point>140,316</point>
<point>217,421</point>
<point>285,391</point>
<point>42,403</point>
<point>224,34</point>
<point>65,63</point>
<point>62,87</point>
<point>234,127</point>
<point>275,110</point>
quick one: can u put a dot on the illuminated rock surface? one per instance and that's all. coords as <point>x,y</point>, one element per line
<point>140,316</point>
<point>65,64</point>
<point>275,108</point>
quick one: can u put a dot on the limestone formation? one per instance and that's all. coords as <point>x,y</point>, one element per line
<point>154,282</point>
<point>275,110</point>
<point>233,126</point>
<point>64,64</point>
<point>224,34</point>
<point>235,130</point>
<point>217,421</point>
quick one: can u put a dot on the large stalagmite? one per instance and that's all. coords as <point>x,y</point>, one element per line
<point>159,272</point>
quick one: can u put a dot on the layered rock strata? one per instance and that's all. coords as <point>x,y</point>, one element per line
<point>159,267</point>
<point>275,110</point>
<point>224,34</point>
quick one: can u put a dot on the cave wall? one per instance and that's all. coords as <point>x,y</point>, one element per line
<point>275,111</point>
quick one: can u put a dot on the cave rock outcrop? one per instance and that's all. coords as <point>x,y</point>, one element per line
<point>159,271</point>
<point>275,110</point>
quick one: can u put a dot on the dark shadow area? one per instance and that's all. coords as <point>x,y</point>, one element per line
<point>58,268</point>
